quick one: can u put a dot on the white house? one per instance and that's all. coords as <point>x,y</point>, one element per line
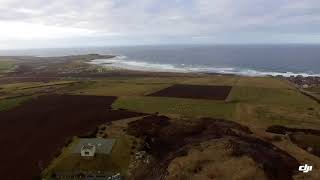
<point>88,150</point>
<point>91,147</point>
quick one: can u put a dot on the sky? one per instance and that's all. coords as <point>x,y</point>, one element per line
<point>79,23</point>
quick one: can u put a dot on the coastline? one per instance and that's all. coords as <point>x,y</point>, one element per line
<point>122,63</point>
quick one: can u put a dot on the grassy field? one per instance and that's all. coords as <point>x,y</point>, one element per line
<point>273,104</point>
<point>29,85</point>
<point>139,86</point>
<point>6,65</point>
<point>6,104</point>
<point>213,80</point>
<point>263,82</point>
<point>38,88</point>
<point>255,102</point>
<point>270,96</point>
<point>120,88</point>
<point>177,106</point>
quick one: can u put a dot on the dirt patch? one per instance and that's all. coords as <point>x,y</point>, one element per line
<point>33,133</point>
<point>307,139</point>
<point>195,92</point>
<point>169,140</point>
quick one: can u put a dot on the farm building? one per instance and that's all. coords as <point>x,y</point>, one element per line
<point>89,147</point>
<point>88,150</point>
<point>92,158</point>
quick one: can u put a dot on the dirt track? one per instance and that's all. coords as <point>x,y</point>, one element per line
<point>307,139</point>
<point>33,133</point>
<point>195,92</point>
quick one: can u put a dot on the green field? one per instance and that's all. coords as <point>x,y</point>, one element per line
<point>6,104</point>
<point>177,106</point>
<point>6,66</point>
<point>270,96</point>
<point>120,88</point>
<point>27,89</point>
<point>255,101</point>
<point>274,104</point>
<point>213,80</point>
<point>263,82</point>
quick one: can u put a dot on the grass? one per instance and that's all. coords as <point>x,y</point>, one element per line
<point>18,85</point>
<point>39,88</point>
<point>146,80</point>
<point>255,102</point>
<point>288,116</point>
<point>118,161</point>
<point>6,104</point>
<point>222,80</point>
<point>270,96</point>
<point>52,83</point>
<point>263,82</point>
<point>111,88</point>
<point>273,105</point>
<point>6,65</point>
<point>65,152</point>
<point>177,106</point>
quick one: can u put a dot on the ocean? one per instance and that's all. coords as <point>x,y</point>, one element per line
<point>250,60</point>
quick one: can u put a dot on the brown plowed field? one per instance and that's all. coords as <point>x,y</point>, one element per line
<point>195,91</point>
<point>33,133</point>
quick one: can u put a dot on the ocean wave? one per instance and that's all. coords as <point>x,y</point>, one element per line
<point>122,62</point>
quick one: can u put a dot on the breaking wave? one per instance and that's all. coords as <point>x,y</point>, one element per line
<point>122,62</point>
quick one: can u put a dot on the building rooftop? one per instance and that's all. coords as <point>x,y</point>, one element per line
<point>88,146</point>
<point>103,146</point>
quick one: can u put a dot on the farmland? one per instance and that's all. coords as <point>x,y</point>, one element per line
<point>52,106</point>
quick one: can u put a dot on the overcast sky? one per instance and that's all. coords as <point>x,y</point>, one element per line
<point>70,23</point>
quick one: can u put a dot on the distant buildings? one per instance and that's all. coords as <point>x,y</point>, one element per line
<point>304,82</point>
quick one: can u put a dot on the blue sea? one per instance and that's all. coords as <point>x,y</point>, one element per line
<point>251,60</point>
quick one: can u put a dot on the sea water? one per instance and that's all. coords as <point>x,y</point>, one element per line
<point>251,60</point>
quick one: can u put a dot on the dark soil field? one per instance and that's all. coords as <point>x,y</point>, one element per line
<point>34,133</point>
<point>195,92</point>
<point>167,140</point>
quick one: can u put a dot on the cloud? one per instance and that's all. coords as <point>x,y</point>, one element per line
<point>157,20</point>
